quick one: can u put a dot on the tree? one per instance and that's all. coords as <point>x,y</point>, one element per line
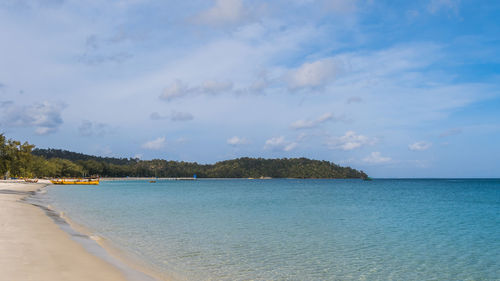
<point>15,158</point>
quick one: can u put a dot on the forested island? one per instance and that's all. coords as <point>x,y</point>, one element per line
<point>24,160</point>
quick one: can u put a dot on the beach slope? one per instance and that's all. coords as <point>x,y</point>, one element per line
<point>33,247</point>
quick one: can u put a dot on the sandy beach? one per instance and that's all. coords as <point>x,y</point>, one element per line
<point>34,247</point>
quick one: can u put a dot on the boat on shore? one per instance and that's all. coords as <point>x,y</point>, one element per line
<point>31,180</point>
<point>76,181</point>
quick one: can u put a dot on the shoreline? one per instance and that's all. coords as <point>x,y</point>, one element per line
<point>203,179</point>
<point>120,253</point>
<point>38,243</point>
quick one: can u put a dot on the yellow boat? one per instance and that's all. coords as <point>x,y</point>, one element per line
<point>76,181</point>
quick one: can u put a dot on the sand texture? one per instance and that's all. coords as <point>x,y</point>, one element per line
<point>33,247</point>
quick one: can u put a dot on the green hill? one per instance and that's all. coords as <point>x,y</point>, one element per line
<point>18,160</point>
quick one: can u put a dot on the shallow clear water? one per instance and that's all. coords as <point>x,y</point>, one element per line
<point>299,229</point>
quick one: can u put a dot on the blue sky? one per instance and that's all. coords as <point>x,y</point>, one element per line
<point>395,88</point>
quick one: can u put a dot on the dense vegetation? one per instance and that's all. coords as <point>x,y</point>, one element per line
<point>22,160</point>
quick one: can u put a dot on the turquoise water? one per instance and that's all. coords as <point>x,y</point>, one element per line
<point>299,229</point>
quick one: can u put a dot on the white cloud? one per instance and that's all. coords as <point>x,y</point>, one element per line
<point>175,90</point>
<point>349,141</point>
<point>290,146</point>
<point>303,124</point>
<point>44,117</point>
<point>376,158</point>
<point>174,116</point>
<point>259,85</point>
<point>302,136</point>
<point>215,87</point>
<point>275,141</point>
<point>399,74</point>
<point>155,144</point>
<point>91,59</point>
<point>223,12</point>
<point>234,141</point>
<point>179,89</point>
<point>313,74</point>
<point>44,131</point>
<point>401,85</point>
<point>88,128</point>
<point>279,143</point>
<point>419,146</point>
<point>307,124</point>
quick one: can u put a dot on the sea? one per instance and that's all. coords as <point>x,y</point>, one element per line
<point>297,229</point>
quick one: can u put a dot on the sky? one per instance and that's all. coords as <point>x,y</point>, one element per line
<point>394,88</point>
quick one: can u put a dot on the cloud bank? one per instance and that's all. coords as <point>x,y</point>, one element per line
<point>419,146</point>
<point>349,141</point>
<point>44,117</point>
<point>235,141</point>
<point>179,89</point>
<point>376,158</point>
<point>155,144</point>
<point>280,144</point>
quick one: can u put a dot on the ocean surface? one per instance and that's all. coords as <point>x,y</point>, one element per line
<point>284,229</point>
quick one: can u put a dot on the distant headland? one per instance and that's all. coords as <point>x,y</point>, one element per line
<point>24,160</point>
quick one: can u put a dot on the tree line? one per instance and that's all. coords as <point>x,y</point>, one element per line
<point>23,160</point>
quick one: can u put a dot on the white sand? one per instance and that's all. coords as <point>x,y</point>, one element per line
<point>33,247</point>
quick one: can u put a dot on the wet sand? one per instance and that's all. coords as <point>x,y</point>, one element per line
<point>33,245</point>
